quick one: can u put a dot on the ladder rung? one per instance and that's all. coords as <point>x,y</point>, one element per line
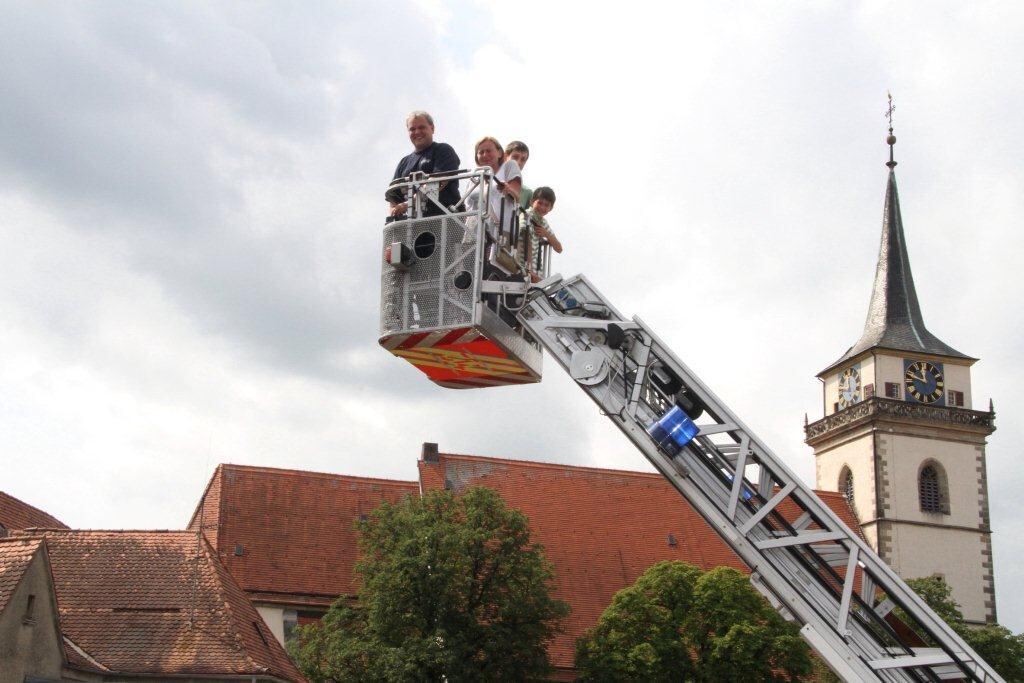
<point>800,539</point>
<point>911,661</point>
<point>717,429</point>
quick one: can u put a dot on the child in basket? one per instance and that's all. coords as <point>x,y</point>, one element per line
<point>535,231</point>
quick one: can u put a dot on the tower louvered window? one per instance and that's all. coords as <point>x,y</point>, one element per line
<point>846,486</point>
<point>930,490</point>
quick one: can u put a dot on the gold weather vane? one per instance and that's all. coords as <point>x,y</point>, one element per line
<point>892,138</point>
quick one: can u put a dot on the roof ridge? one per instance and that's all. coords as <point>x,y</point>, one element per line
<point>288,470</point>
<point>85,655</point>
<point>33,508</point>
<point>202,498</point>
<point>25,533</point>
<point>591,468</point>
<point>215,565</point>
<point>552,465</point>
<point>225,581</point>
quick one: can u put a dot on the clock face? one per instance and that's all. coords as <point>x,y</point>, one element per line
<point>924,381</point>
<point>849,387</point>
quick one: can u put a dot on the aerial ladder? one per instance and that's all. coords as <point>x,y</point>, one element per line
<point>450,306</point>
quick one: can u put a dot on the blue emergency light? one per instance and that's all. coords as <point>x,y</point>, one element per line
<point>673,430</point>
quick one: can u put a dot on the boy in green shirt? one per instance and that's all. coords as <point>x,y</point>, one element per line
<point>520,153</point>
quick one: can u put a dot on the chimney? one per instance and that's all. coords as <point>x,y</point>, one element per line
<point>429,452</point>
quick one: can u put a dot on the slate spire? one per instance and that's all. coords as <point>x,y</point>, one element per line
<point>894,315</point>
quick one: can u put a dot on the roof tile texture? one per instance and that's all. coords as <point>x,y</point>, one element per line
<point>600,528</point>
<point>894,318</point>
<point>295,530</point>
<point>16,514</point>
<point>15,556</point>
<point>126,598</point>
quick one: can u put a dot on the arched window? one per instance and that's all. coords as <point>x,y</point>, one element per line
<point>846,486</point>
<point>932,490</point>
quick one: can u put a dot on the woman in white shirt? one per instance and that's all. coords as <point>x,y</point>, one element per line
<point>506,184</point>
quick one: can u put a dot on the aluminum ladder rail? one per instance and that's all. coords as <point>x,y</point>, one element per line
<point>803,558</point>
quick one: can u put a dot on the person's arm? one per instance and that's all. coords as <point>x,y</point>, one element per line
<point>513,187</point>
<point>395,208</point>
<point>549,237</point>
<point>509,179</point>
<point>445,159</point>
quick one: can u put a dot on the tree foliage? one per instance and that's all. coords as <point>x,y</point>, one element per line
<point>453,588</point>
<point>996,644</point>
<point>677,623</point>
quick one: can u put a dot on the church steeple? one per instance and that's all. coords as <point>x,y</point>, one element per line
<point>900,438</point>
<point>894,315</point>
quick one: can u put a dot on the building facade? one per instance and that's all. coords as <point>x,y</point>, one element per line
<point>900,438</point>
<point>288,537</point>
<point>95,606</point>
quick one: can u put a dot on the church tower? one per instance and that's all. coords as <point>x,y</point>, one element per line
<point>900,438</point>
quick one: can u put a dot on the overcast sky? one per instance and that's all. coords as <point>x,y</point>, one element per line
<point>191,204</point>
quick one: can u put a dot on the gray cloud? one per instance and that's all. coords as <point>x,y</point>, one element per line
<point>157,123</point>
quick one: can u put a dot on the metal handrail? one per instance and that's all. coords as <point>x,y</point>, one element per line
<point>418,189</point>
<point>422,191</point>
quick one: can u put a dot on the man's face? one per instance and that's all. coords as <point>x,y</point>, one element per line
<point>520,157</point>
<point>421,133</point>
<point>542,206</point>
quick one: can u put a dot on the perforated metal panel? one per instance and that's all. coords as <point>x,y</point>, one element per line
<point>431,294</point>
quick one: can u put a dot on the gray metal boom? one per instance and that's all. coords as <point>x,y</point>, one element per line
<point>803,558</point>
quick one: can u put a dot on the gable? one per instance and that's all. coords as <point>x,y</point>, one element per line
<point>30,642</point>
<point>156,603</point>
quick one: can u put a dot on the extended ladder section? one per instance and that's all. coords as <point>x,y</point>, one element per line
<point>854,610</point>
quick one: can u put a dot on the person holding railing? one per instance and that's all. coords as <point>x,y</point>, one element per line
<point>535,232</point>
<point>427,157</point>
<point>506,184</point>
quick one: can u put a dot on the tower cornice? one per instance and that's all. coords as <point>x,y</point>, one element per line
<point>874,409</point>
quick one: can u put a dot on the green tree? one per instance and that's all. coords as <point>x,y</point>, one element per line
<point>996,644</point>
<point>677,623</point>
<point>453,588</point>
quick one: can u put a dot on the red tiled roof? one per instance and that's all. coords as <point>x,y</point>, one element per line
<point>294,529</point>
<point>15,556</point>
<point>600,528</point>
<point>126,600</point>
<point>16,514</point>
<point>208,509</point>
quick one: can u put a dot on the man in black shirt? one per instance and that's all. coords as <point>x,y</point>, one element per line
<point>428,157</point>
